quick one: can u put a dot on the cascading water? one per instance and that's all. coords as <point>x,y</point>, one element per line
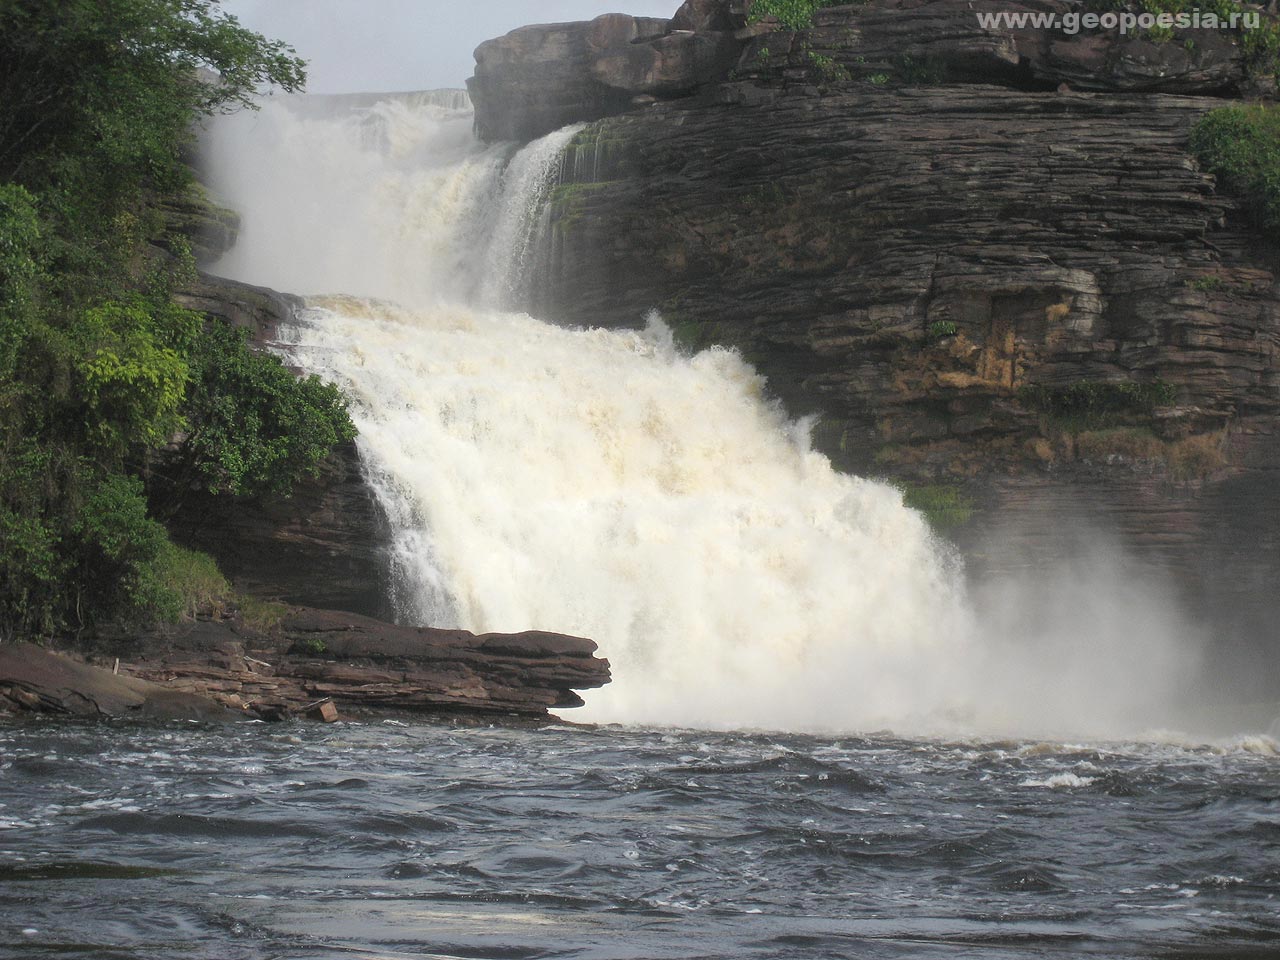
<point>593,482</point>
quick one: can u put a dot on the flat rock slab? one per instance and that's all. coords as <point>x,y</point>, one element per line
<point>34,678</point>
<point>347,662</point>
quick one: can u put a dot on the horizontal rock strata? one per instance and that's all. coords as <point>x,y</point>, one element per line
<point>362,665</point>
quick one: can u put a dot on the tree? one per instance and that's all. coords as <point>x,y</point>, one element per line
<point>99,369</point>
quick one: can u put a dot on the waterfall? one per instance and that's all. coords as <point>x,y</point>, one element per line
<point>596,482</point>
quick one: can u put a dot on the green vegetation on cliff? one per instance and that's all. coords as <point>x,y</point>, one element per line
<point>1241,145</point>
<point>792,14</point>
<point>113,399</point>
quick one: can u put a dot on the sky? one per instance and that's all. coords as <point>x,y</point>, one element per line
<point>376,45</point>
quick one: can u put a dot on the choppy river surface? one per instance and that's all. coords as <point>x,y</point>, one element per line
<point>383,840</point>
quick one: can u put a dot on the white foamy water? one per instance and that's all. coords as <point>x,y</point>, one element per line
<point>605,484</point>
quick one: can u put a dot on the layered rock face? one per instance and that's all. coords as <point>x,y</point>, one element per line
<point>950,242</point>
<point>223,669</point>
<point>907,261</point>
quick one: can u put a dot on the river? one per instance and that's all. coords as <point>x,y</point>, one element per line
<point>393,841</point>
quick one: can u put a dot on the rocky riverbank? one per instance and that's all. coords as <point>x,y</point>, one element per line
<point>224,668</point>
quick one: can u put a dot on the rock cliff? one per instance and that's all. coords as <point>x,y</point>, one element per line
<point>983,257</point>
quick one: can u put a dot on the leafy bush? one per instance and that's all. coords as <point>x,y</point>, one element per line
<point>829,68</point>
<point>130,371</point>
<point>119,551</point>
<point>1241,145</point>
<point>188,581</point>
<point>1206,284</point>
<point>254,426</point>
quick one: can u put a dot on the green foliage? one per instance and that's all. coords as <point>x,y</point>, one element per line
<point>1206,284</point>
<point>129,569</point>
<point>31,562</point>
<point>1093,405</point>
<point>310,646</point>
<point>102,93</point>
<point>941,329</point>
<point>946,506</point>
<point>878,79</point>
<point>119,551</point>
<point>255,427</point>
<point>1241,145</point>
<point>828,68</point>
<point>792,14</point>
<point>100,372</point>
<point>130,371</point>
<point>188,581</point>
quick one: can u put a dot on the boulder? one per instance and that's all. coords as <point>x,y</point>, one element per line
<point>537,79</point>
<point>701,16</point>
<point>667,66</point>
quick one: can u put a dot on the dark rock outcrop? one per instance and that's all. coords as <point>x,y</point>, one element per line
<point>937,40</point>
<point>207,228</point>
<point>324,546</point>
<point>33,679</point>
<point>539,78</point>
<point>259,310</point>
<point>222,668</point>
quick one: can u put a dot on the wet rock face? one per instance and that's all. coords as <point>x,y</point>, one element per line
<point>325,546</point>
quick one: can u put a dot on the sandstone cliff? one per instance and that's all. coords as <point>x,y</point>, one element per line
<point>983,257</point>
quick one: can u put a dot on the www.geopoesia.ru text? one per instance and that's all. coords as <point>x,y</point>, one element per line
<point>1122,20</point>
